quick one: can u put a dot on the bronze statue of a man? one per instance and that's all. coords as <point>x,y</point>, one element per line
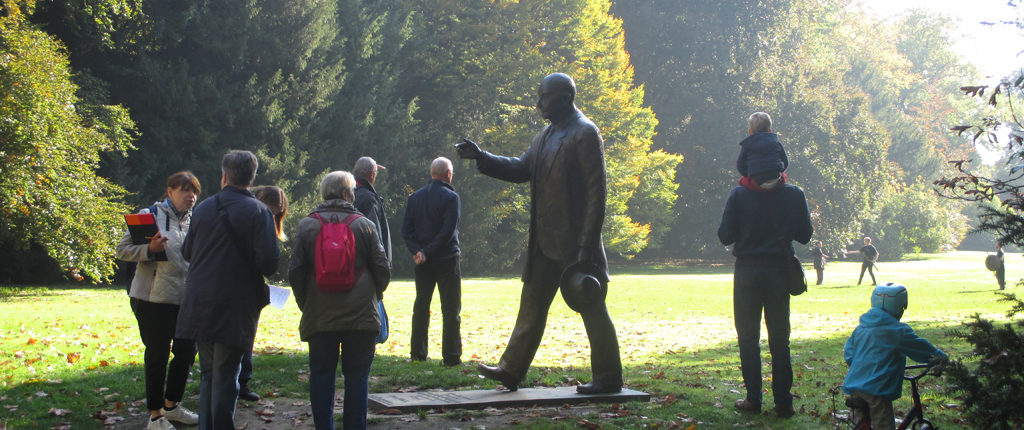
<point>566,170</point>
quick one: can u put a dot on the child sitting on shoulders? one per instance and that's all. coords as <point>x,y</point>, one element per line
<point>762,158</point>
<point>877,353</point>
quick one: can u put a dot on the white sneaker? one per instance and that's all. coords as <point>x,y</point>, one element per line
<point>160,424</point>
<point>181,415</point>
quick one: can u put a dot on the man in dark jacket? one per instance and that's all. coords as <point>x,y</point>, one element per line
<point>870,256</point>
<point>761,223</point>
<point>565,167</point>
<point>431,232</point>
<point>368,202</point>
<point>231,246</point>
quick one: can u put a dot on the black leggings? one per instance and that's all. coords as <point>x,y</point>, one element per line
<point>156,327</point>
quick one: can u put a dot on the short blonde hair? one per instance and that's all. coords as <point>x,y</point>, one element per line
<point>338,184</point>
<point>759,122</point>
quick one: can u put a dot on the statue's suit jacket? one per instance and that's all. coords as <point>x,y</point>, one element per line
<point>565,166</point>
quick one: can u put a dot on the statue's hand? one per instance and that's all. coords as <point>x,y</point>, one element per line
<point>468,149</point>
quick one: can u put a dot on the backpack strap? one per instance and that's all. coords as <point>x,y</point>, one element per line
<point>347,220</point>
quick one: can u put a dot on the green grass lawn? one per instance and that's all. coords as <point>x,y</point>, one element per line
<point>70,355</point>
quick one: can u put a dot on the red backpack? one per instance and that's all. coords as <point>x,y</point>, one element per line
<point>335,255</point>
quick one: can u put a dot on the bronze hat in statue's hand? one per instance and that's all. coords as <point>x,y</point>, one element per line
<point>581,289</point>
<point>468,149</point>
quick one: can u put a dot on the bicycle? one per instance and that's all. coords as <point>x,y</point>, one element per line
<point>860,418</point>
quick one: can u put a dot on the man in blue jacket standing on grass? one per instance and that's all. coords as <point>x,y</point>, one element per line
<point>431,232</point>
<point>231,246</point>
<point>761,221</point>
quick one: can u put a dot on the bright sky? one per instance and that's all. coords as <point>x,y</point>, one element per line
<point>994,49</point>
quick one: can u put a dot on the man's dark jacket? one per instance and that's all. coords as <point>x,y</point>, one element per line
<point>371,206</point>
<point>224,289</point>
<point>761,153</point>
<point>431,221</point>
<point>765,224</point>
<point>565,166</point>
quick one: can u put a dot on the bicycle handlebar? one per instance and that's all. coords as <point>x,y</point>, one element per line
<point>926,367</point>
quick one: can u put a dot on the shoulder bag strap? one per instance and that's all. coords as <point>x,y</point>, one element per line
<point>222,213</point>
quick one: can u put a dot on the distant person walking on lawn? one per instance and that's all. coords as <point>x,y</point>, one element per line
<point>231,246</point>
<point>566,170</point>
<point>870,255</point>
<point>820,258</point>
<point>431,232</point>
<point>760,221</point>
<point>155,293</point>
<point>1001,270</point>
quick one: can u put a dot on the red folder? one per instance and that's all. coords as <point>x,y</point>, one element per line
<point>142,227</point>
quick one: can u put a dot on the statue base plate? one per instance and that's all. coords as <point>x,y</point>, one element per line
<point>480,399</point>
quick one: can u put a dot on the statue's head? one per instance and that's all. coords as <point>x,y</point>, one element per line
<point>556,95</point>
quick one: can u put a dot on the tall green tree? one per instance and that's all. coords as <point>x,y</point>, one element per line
<point>202,78</point>
<point>481,64</point>
<point>50,144</point>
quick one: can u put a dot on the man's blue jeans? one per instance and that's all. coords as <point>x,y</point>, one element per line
<point>761,286</point>
<point>357,349</point>
<point>219,365</point>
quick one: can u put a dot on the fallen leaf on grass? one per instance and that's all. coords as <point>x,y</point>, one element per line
<point>391,412</point>
<point>265,412</point>
<point>59,412</point>
<point>112,420</point>
<point>61,426</point>
<point>588,424</point>
<point>73,357</point>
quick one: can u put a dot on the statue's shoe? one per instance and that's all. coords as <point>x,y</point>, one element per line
<point>597,387</point>
<point>498,374</point>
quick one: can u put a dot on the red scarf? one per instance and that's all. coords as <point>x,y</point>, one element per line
<point>751,185</point>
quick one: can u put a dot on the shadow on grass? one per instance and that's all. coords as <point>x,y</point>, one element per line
<point>699,384</point>
<point>12,290</point>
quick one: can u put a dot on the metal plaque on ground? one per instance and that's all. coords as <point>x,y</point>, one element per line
<point>479,399</point>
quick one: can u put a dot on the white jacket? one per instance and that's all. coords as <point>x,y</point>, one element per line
<point>159,281</point>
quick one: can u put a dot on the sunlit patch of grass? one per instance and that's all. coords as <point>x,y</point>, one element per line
<point>78,348</point>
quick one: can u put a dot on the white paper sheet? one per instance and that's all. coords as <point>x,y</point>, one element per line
<point>279,296</point>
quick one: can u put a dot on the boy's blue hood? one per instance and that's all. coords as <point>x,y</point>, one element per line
<point>876,317</point>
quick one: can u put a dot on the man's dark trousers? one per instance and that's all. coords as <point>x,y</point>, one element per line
<point>446,273</point>
<point>219,365</point>
<point>820,269</point>
<point>757,287</point>
<point>870,267</point>
<point>538,293</point>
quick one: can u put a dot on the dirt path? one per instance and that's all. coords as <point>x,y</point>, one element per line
<point>283,413</point>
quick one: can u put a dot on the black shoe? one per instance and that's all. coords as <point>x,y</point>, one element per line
<point>498,374</point>
<point>451,362</point>
<point>784,411</point>
<point>246,394</point>
<point>417,358</point>
<point>744,405</point>
<point>597,387</point>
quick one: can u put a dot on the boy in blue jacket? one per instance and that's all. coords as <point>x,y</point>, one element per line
<point>877,354</point>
